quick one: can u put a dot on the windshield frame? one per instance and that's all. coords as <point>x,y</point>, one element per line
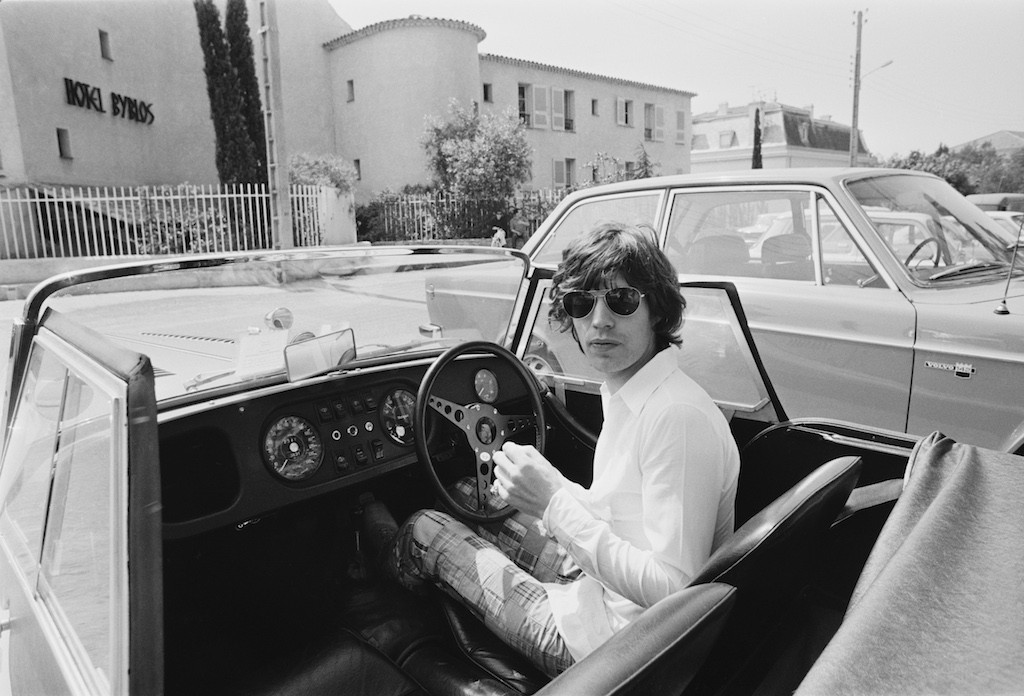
<point>968,238</point>
<point>249,274</point>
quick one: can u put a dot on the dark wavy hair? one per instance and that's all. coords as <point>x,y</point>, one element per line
<point>594,259</point>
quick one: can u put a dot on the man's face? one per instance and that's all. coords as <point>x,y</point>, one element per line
<point>616,345</point>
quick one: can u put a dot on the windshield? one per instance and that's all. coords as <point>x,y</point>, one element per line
<point>931,229</point>
<point>208,325</point>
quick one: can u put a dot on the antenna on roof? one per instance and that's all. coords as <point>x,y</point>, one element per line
<point>1001,308</point>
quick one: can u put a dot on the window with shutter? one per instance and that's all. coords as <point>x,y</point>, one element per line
<point>525,103</point>
<point>557,109</point>
<point>540,107</point>
<point>659,123</point>
<point>681,127</point>
<point>558,174</point>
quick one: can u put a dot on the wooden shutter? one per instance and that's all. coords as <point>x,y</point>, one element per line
<point>620,111</point>
<point>680,126</point>
<point>557,109</point>
<point>659,123</point>
<point>558,174</point>
<point>540,107</point>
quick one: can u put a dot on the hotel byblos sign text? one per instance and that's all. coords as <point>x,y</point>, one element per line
<point>89,97</point>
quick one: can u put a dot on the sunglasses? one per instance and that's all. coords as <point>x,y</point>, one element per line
<point>623,301</point>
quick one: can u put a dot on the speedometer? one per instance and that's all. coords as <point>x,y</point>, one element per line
<point>292,448</point>
<point>396,413</point>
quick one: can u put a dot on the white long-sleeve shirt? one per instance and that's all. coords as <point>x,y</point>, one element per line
<point>662,498</point>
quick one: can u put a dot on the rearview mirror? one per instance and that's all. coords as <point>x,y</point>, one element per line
<point>320,354</point>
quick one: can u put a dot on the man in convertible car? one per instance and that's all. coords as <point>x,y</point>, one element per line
<point>575,565</point>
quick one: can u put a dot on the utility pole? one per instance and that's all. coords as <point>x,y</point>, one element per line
<point>277,174</point>
<point>854,138</point>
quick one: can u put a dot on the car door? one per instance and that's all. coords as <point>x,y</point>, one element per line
<point>835,335</point>
<point>80,528</point>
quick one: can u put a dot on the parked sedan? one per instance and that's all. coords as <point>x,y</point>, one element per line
<point>192,445</point>
<point>875,296</point>
<point>1011,222</point>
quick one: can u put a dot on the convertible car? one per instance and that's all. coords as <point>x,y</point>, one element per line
<point>196,451</point>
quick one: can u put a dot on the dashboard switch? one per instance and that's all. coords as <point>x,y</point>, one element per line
<point>359,452</point>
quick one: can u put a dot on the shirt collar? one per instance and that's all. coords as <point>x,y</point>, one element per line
<point>635,392</point>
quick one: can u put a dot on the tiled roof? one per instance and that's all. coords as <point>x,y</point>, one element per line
<point>410,21</point>
<point>519,63</point>
<point>804,131</point>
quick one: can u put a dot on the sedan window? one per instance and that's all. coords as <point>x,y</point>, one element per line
<point>741,233</point>
<point>842,261</point>
<point>639,210</point>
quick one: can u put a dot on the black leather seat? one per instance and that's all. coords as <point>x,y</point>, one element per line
<point>659,653</point>
<point>766,559</point>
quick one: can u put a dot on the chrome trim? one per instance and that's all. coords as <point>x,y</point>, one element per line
<point>42,292</point>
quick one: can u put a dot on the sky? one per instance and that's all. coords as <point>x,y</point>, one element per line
<point>956,70</point>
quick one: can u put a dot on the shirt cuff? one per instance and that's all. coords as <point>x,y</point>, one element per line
<point>565,516</point>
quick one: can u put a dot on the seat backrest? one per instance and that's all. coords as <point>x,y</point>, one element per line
<point>785,529</point>
<point>768,560</point>
<point>658,653</point>
<point>787,256</point>
<point>724,254</point>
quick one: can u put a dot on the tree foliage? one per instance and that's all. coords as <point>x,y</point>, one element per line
<point>645,166</point>
<point>240,52</point>
<point>606,168</point>
<point>477,156</point>
<point>969,170</point>
<point>321,170</point>
<point>235,152</point>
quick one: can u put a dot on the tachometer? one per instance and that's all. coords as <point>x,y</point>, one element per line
<point>396,413</point>
<point>293,448</point>
<point>486,385</point>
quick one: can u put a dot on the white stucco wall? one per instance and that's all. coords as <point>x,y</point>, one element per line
<point>591,134</point>
<point>400,75</point>
<point>47,42</point>
<point>306,121</point>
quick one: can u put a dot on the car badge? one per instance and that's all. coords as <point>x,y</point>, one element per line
<point>963,370</point>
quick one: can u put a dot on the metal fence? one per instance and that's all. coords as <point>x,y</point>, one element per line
<point>433,216</point>
<point>53,222</point>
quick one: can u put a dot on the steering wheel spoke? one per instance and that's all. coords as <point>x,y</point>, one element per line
<point>484,426</point>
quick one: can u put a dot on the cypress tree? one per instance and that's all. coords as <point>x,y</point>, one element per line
<point>756,164</point>
<point>235,156</point>
<point>240,49</point>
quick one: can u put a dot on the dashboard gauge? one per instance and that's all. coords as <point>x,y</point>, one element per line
<point>486,385</point>
<point>293,448</point>
<point>396,413</point>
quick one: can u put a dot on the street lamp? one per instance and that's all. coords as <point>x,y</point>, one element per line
<point>857,78</point>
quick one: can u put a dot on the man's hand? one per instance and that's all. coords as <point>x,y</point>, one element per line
<point>525,478</point>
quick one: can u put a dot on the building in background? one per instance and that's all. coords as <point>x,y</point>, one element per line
<point>1005,142</point>
<point>389,77</point>
<point>88,97</point>
<point>113,93</point>
<point>790,137</point>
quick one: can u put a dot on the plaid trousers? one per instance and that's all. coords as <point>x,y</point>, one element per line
<point>496,571</point>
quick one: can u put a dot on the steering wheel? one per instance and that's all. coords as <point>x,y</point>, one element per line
<point>484,427</point>
<point>921,245</point>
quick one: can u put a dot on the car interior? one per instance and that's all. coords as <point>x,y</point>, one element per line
<point>274,586</point>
